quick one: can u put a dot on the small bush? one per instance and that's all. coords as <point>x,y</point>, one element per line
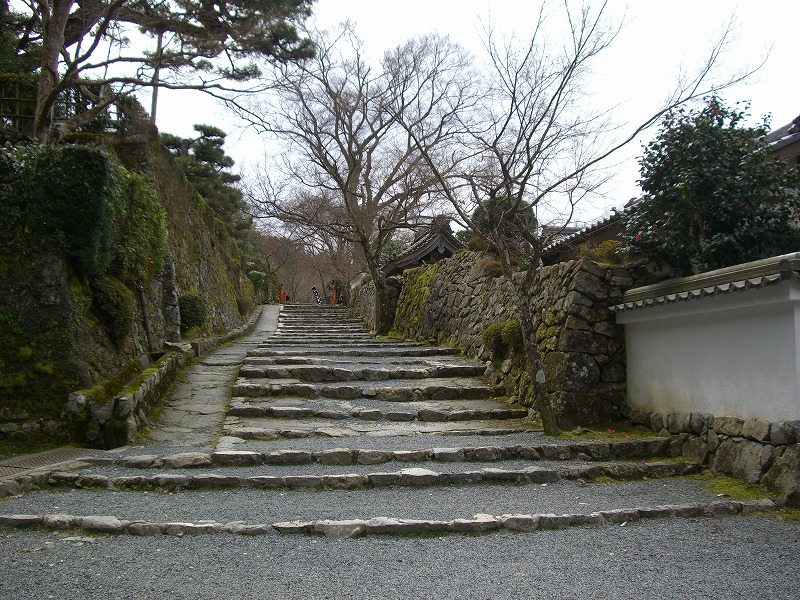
<point>193,311</point>
<point>492,268</point>
<point>503,338</point>
<point>117,305</point>
<point>608,253</point>
<point>493,339</point>
<point>478,243</point>
<point>512,336</point>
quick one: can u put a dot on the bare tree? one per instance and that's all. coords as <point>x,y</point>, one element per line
<point>532,146</point>
<point>349,169</point>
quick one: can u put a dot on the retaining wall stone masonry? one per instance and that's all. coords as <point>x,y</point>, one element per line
<point>752,450</point>
<point>453,301</point>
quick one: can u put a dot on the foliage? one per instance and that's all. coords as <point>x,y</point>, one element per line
<point>83,202</point>
<point>68,195</point>
<point>140,243</point>
<point>503,338</point>
<point>715,195</point>
<point>492,268</point>
<point>512,336</point>
<point>117,304</point>
<point>608,253</point>
<point>193,311</point>
<point>207,168</point>
<point>503,219</point>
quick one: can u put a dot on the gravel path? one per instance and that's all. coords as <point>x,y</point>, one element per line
<point>736,558</point>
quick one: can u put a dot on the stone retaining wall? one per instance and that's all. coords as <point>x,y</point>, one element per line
<point>752,450</point>
<point>453,301</point>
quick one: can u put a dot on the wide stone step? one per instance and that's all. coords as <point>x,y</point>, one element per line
<point>395,390</point>
<point>361,361</point>
<point>343,480</point>
<point>480,523</point>
<point>640,451</point>
<point>324,408</point>
<point>258,429</point>
<point>318,373</point>
<point>376,351</point>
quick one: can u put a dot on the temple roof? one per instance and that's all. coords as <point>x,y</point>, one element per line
<point>430,246</point>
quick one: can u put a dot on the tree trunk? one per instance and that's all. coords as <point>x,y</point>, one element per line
<point>49,79</point>
<point>384,318</point>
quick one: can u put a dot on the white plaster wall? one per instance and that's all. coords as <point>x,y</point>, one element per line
<point>734,354</point>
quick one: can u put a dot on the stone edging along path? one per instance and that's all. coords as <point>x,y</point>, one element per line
<point>481,523</point>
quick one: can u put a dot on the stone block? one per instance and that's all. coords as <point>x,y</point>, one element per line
<point>101,524</point>
<point>582,342</point>
<point>637,416</point>
<point>411,455</point>
<point>236,457</point>
<point>679,422</point>
<point>186,460</point>
<point>143,528</point>
<point>448,454</point>
<point>383,479</point>
<point>742,459</point>
<point>463,478</point>
<point>723,508</point>
<point>696,449</point>
<point>731,426</point>
<point>620,515</point>
<point>593,519</point>
<point>787,432</point>
<point>340,529</point>
<point>214,481</point>
<point>303,481</point>
<point>335,456</point>
<point>170,481</point>
<point>417,476</point>
<point>20,520</point>
<point>288,457</point>
<point>288,527</point>
<point>373,457</point>
<point>344,482</point>
<point>657,421</point>
<point>60,521</point>
<point>269,482</point>
<point>552,521</point>
<point>486,454</point>
<point>783,477</point>
<point>400,415</point>
<point>756,429</point>
<point>520,522</point>
<point>477,524</point>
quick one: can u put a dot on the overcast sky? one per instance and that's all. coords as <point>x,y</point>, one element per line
<point>634,75</point>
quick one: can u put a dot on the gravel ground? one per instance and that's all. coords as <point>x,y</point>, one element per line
<point>435,502</point>
<point>737,558</point>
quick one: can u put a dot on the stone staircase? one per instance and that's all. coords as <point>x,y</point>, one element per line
<point>333,432</point>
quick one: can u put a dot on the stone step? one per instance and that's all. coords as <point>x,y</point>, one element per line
<point>343,480</point>
<point>263,429</point>
<point>368,342</point>
<point>376,351</point>
<point>392,390</point>
<point>325,408</point>
<point>361,361</point>
<point>391,451</point>
<point>320,373</point>
<point>480,523</point>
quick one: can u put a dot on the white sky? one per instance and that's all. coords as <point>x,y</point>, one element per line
<point>634,75</point>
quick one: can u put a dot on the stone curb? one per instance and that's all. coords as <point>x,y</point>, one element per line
<point>592,451</point>
<point>412,477</point>
<point>203,346</point>
<point>351,528</point>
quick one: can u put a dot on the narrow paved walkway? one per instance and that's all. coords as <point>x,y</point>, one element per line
<point>194,415</point>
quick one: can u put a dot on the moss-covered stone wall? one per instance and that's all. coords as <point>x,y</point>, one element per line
<point>54,335</point>
<point>454,301</point>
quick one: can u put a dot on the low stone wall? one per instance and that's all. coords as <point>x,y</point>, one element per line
<point>453,301</point>
<point>113,420</point>
<point>752,450</point>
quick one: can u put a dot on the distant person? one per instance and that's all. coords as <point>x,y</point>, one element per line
<point>316,294</point>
